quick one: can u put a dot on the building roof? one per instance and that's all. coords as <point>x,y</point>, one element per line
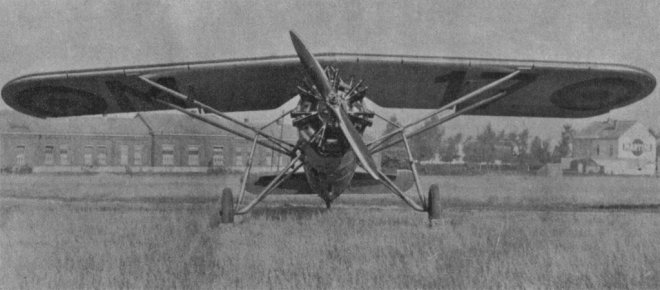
<point>168,123</point>
<point>14,122</point>
<point>175,123</point>
<point>609,129</point>
<point>162,123</point>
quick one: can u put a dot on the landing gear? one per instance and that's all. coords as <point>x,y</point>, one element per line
<point>431,205</point>
<point>434,206</point>
<point>227,206</point>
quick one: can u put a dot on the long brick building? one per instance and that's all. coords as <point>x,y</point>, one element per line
<point>145,142</point>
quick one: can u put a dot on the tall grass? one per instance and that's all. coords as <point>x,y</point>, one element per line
<point>290,242</point>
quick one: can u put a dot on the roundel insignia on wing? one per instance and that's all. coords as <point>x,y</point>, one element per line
<point>596,94</point>
<point>56,101</point>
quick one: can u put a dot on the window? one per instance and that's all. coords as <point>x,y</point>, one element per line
<point>269,159</point>
<point>597,150</point>
<point>283,160</point>
<point>123,154</point>
<point>260,156</point>
<point>277,160</point>
<point>102,155</point>
<point>239,157</point>
<point>611,150</point>
<point>49,158</point>
<point>64,154</point>
<point>218,158</point>
<point>20,155</point>
<point>137,155</point>
<point>168,154</point>
<point>87,155</point>
<point>193,155</point>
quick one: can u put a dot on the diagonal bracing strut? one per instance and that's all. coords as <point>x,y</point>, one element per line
<point>383,140</point>
<point>273,143</point>
<point>270,142</point>
<point>386,141</point>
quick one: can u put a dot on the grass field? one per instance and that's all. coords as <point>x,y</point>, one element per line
<point>107,231</point>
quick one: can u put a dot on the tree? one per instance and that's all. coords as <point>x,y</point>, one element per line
<point>487,140</point>
<point>482,149</point>
<point>539,151</point>
<point>450,151</point>
<point>523,139</point>
<point>564,148</point>
<point>424,146</point>
<point>519,146</point>
<point>395,156</point>
<point>501,136</point>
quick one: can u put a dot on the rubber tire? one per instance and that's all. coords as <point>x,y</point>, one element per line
<point>227,206</point>
<point>435,207</point>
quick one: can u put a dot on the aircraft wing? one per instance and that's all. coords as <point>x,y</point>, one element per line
<point>542,89</point>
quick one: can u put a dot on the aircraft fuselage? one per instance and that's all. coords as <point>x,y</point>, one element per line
<point>331,118</point>
<point>329,176</point>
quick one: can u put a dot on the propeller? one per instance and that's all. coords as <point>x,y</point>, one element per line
<point>331,100</point>
<point>355,140</point>
<point>314,69</point>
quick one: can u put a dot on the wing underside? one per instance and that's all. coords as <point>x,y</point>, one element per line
<point>542,89</point>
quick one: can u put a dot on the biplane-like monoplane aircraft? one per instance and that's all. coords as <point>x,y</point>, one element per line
<point>331,114</point>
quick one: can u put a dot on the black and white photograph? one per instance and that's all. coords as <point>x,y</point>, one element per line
<point>329,144</point>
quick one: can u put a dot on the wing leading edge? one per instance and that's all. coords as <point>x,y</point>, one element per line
<point>542,89</point>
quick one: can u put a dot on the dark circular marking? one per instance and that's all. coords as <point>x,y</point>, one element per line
<point>58,101</point>
<point>596,94</point>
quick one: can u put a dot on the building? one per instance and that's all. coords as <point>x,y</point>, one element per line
<point>144,142</point>
<point>69,144</point>
<point>614,147</point>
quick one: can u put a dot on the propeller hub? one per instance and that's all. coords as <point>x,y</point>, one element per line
<point>333,98</point>
<point>325,114</point>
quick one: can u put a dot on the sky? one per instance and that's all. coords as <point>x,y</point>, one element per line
<point>48,35</point>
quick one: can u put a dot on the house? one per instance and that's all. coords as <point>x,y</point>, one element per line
<point>617,147</point>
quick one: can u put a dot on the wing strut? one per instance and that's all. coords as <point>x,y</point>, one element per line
<point>382,142</point>
<point>281,177</point>
<point>271,142</point>
<point>386,141</point>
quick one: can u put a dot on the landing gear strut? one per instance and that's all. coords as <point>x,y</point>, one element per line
<point>431,204</point>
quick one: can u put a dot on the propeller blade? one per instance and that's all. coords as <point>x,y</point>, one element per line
<point>314,69</point>
<point>355,140</point>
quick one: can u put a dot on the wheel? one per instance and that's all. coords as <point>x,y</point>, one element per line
<point>227,206</point>
<point>434,206</point>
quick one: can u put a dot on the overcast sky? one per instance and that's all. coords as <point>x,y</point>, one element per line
<point>40,35</point>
